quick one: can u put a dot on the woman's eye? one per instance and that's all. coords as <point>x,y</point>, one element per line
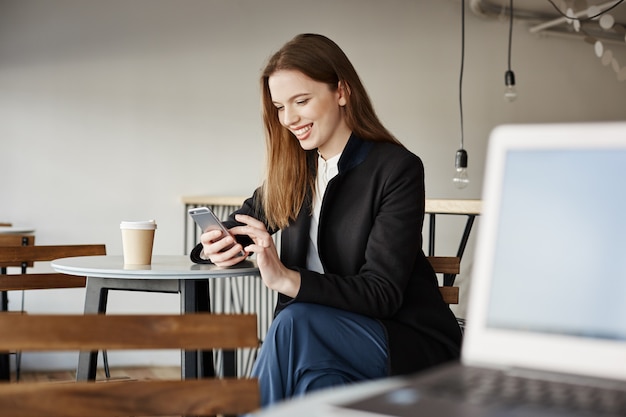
<point>280,108</point>
<point>303,101</point>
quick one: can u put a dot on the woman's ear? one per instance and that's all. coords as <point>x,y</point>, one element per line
<point>343,91</point>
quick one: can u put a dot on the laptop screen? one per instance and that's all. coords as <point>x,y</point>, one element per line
<point>548,285</point>
<point>559,264</point>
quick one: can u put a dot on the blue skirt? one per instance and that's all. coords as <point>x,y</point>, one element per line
<point>311,346</point>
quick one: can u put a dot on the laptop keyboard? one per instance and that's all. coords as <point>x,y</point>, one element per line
<point>488,387</point>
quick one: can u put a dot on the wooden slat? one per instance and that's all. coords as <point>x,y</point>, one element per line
<point>47,253</point>
<point>16,239</point>
<point>202,397</point>
<point>202,331</point>
<point>445,264</point>
<point>450,294</point>
<point>40,281</point>
<point>210,200</point>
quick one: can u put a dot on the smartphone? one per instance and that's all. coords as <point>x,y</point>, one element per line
<point>207,220</point>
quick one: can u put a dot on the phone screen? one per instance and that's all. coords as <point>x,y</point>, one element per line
<point>207,220</point>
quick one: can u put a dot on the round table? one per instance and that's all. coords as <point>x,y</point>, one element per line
<point>163,267</point>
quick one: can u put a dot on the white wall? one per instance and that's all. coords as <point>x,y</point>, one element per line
<point>112,110</point>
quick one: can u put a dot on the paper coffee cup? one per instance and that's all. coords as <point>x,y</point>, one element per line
<point>137,241</point>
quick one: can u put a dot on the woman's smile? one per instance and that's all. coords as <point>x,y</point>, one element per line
<point>302,132</point>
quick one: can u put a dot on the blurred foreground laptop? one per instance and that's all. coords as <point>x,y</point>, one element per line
<point>546,324</point>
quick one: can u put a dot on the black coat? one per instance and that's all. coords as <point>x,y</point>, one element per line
<point>370,244</point>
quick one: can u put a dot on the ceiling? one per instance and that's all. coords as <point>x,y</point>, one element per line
<point>542,17</point>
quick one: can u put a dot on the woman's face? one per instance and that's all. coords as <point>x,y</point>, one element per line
<point>311,111</point>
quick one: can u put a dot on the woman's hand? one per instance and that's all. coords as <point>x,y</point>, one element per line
<point>213,244</point>
<point>274,274</point>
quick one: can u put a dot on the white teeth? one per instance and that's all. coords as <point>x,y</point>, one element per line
<point>302,131</point>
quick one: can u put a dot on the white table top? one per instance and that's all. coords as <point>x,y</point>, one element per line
<point>450,206</point>
<point>16,229</point>
<point>162,267</point>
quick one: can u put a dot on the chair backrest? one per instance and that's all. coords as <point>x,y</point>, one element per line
<point>447,265</point>
<point>198,397</point>
<point>26,255</point>
<point>16,239</point>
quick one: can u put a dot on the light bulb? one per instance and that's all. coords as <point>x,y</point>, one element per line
<point>510,93</point>
<point>460,179</point>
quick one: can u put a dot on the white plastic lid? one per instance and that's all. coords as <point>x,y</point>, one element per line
<point>143,225</point>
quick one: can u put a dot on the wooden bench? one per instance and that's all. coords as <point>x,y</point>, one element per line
<point>198,397</point>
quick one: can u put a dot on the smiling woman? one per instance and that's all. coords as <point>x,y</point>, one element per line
<point>357,298</point>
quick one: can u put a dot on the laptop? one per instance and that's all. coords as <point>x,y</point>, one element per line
<point>547,306</point>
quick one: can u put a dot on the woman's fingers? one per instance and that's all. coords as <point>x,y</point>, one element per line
<point>213,241</point>
<point>210,236</point>
<point>249,220</point>
<point>254,229</point>
<point>217,248</point>
<point>228,258</point>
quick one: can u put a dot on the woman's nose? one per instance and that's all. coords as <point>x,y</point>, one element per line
<point>289,116</point>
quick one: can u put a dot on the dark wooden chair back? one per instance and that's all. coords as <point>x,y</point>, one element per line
<point>198,397</point>
<point>18,250</point>
<point>16,239</point>
<point>447,265</point>
<point>25,255</point>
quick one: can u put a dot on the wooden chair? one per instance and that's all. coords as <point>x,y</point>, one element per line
<point>447,265</point>
<point>17,255</point>
<point>197,397</point>
<point>19,251</point>
<point>13,239</point>
<point>10,239</point>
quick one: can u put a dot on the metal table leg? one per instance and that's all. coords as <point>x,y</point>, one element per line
<point>448,279</point>
<point>195,298</point>
<point>96,297</point>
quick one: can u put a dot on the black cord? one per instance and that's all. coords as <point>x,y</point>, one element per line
<point>462,65</point>
<point>587,18</point>
<point>510,32</point>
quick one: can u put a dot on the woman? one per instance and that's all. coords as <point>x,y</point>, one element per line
<point>357,297</point>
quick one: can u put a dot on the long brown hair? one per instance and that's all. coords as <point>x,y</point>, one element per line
<point>287,177</point>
